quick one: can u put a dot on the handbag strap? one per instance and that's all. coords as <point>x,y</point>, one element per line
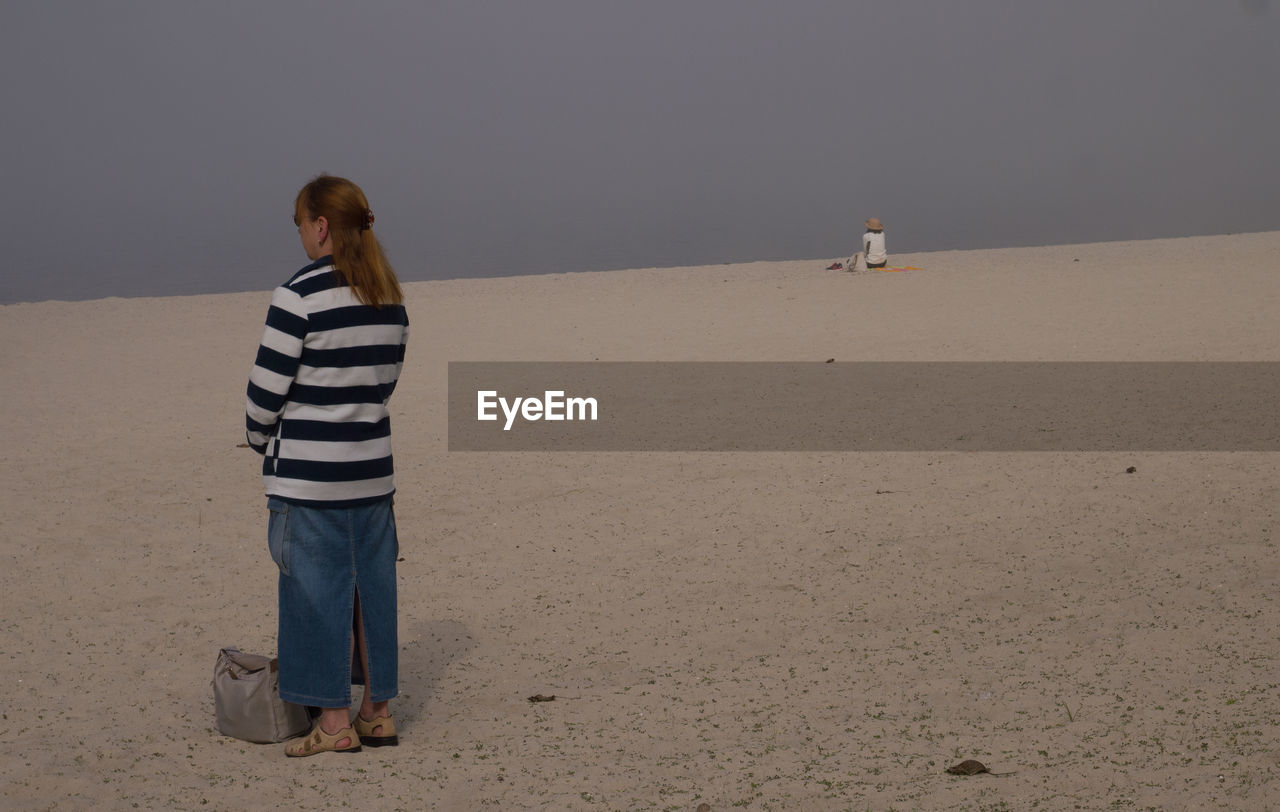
<point>250,662</point>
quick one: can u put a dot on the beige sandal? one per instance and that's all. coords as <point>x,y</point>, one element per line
<point>387,738</point>
<point>317,741</point>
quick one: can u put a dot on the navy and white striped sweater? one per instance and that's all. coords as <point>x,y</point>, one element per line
<point>317,400</point>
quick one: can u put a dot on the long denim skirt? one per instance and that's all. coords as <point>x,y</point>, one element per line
<point>326,557</point>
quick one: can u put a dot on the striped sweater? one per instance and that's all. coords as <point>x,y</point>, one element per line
<point>317,400</point>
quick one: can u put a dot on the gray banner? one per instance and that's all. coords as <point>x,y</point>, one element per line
<point>875,406</point>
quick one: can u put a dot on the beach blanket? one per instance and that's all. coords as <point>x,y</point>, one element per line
<point>837,266</point>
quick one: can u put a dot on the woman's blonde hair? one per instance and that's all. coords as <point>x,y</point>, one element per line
<point>357,254</point>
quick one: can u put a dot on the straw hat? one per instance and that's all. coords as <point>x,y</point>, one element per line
<point>874,224</point>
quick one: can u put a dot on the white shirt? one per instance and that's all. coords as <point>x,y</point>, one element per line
<point>873,245</point>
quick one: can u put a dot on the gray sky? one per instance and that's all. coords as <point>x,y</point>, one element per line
<point>155,147</point>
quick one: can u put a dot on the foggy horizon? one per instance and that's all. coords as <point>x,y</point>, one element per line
<point>154,149</point>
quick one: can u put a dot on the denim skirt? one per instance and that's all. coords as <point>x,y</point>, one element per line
<point>327,557</point>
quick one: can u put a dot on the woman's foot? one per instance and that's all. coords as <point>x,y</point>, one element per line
<point>344,740</point>
<point>379,731</point>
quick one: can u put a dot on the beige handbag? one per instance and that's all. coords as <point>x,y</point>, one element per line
<point>246,699</point>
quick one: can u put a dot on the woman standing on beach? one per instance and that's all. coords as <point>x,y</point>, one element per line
<point>330,357</point>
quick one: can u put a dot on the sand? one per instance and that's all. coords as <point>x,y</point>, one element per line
<point>756,630</point>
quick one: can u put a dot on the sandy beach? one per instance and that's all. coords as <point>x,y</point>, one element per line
<point>772,631</point>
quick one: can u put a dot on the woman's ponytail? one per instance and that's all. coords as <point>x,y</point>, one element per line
<point>357,255</point>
